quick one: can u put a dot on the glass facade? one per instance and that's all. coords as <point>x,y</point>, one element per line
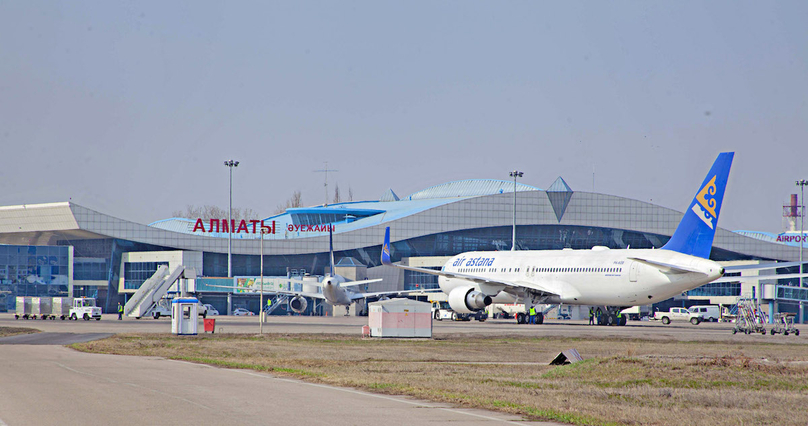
<point>32,271</point>
<point>136,273</point>
<point>420,281</point>
<point>95,269</point>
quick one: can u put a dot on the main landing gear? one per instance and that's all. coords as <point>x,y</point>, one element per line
<point>523,318</point>
<point>611,316</point>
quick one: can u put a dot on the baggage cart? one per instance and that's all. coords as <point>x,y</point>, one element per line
<point>41,307</point>
<point>61,307</point>
<point>784,323</point>
<point>23,308</point>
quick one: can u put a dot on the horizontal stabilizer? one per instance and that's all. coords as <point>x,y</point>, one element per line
<point>667,268</point>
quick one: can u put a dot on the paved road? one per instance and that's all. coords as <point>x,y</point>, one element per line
<point>54,385</point>
<point>52,338</point>
<point>43,383</point>
<point>650,330</point>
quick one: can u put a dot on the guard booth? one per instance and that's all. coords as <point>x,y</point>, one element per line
<point>183,315</point>
<point>400,318</point>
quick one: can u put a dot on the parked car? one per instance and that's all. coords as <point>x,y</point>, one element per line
<point>211,310</point>
<point>707,312</point>
<point>242,312</point>
<point>677,314</point>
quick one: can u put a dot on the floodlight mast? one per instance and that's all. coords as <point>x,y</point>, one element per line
<point>514,174</point>
<point>230,164</point>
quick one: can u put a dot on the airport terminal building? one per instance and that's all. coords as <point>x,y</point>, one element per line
<point>67,249</point>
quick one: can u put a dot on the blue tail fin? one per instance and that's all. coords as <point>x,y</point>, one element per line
<point>694,235</point>
<point>386,247</point>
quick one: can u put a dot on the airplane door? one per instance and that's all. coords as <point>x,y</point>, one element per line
<point>634,272</point>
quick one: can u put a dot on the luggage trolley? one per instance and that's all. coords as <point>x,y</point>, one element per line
<point>784,323</point>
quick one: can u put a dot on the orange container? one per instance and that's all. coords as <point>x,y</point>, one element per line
<point>209,324</point>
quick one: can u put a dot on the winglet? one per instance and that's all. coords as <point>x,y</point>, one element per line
<point>694,235</point>
<point>386,248</point>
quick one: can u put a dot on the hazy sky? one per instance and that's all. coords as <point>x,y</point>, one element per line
<point>131,108</point>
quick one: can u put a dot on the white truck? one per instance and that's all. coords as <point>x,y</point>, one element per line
<point>84,307</point>
<point>677,314</point>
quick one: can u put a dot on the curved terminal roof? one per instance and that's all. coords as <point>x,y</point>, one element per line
<point>360,214</point>
<point>469,188</point>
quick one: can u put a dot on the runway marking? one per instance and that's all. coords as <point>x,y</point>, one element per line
<point>134,385</point>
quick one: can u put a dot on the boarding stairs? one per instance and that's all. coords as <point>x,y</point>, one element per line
<point>277,301</point>
<point>151,291</point>
<point>749,319</point>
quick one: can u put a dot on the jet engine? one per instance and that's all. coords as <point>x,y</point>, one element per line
<point>466,300</point>
<point>298,304</point>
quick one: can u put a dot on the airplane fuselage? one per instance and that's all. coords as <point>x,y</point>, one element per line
<point>584,277</point>
<point>335,294</point>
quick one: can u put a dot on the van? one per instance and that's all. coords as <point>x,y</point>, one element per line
<point>707,312</point>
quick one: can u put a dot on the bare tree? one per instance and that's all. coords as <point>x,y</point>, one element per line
<point>350,194</point>
<point>296,200</point>
<point>336,194</point>
<point>214,212</point>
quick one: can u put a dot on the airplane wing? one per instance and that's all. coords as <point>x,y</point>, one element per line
<point>355,296</point>
<point>256,290</point>
<point>360,282</point>
<point>761,266</point>
<point>487,285</point>
<point>759,277</point>
<point>667,268</point>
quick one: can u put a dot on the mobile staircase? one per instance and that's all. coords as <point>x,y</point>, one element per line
<point>750,319</point>
<point>146,299</point>
<point>277,301</point>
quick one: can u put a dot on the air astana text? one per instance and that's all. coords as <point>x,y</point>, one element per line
<point>476,261</point>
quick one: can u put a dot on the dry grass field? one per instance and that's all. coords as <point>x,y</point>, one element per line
<point>631,382</point>
<point>13,331</point>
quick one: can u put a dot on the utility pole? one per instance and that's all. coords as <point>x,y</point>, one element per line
<point>261,303</point>
<point>801,184</point>
<point>230,164</point>
<point>514,174</point>
<point>326,170</point>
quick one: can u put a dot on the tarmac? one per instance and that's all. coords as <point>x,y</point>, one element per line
<point>45,383</point>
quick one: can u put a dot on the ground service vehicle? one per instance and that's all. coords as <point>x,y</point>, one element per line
<point>442,311</point>
<point>209,310</point>
<point>677,314</point>
<point>84,307</point>
<point>707,312</point>
<point>241,312</point>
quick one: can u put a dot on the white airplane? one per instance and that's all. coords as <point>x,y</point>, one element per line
<point>336,289</point>
<point>614,279</point>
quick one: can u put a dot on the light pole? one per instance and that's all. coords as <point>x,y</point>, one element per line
<point>801,184</point>
<point>230,164</point>
<point>261,303</point>
<point>514,174</point>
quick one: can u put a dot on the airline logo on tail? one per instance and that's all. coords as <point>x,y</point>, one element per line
<point>707,215</point>
<point>386,247</point>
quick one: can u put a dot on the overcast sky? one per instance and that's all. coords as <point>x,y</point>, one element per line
<point>131,108</point>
